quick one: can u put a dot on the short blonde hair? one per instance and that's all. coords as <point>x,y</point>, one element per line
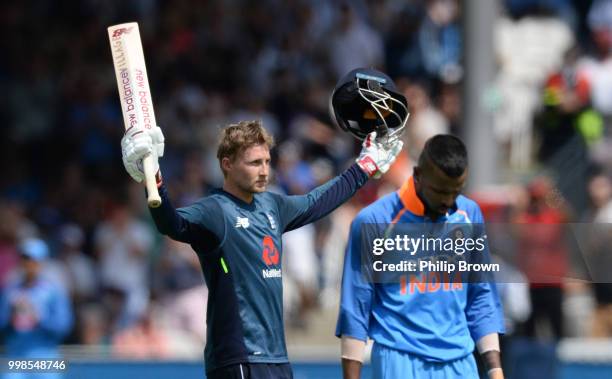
<point>236,138</point>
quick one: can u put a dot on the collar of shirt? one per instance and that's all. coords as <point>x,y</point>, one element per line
<point>413,204</point>
<point>241,203</point>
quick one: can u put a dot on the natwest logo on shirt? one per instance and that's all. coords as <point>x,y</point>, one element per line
<point>271,273</point>
<point>271,257</point>
<point>270,254</point>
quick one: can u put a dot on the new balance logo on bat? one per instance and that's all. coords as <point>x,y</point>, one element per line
<point>121,31</point>
<point>242,222</point>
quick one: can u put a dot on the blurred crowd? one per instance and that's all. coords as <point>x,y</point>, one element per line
<point>211,63</point>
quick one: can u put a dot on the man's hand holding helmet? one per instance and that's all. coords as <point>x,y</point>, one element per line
<point>377,156</point>
<point>366,104</point>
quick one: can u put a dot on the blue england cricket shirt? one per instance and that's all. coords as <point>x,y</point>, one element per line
<point>239,247</point>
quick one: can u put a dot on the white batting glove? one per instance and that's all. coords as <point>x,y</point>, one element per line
<point>137,144</point>
<point>157,137</point>
<point>376,157</point>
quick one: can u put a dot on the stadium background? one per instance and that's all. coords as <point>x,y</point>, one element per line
<point>215,62</point>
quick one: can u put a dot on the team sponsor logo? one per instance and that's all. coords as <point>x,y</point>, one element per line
<point>270,253</point>
<point>272,273</point>
<point>271,257</point>
<point>242,222</point>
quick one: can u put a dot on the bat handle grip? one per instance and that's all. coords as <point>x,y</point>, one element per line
<point>153,198</point>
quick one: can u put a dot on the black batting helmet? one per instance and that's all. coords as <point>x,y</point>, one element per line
<point>367,100</point>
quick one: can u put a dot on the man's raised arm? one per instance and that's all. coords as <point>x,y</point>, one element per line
<point>374,160</point>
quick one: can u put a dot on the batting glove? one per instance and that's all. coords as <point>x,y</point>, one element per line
<point>376,157</point>
<point>137,144</point>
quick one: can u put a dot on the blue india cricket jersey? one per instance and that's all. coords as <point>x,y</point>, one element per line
<point>239,247</point>
<point>437,322</point>
<point>45,317</point>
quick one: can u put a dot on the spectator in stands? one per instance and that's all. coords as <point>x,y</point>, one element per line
<point>566,112</point>
<point>354,44</point>
<point>598,254</point>
<point>81,272</point>
<point>440,40</point>
<point>542,253</point>
<point>403,55</point>
<point>182,296</point>
<point>143,340</point>
<point>123,244</point>
<point>598,69</point>
<point>529,47</point>
<point>35,315</point>
<point>425,119</point>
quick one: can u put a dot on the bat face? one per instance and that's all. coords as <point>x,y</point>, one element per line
<point>131,73</point>
<point>134,92</point>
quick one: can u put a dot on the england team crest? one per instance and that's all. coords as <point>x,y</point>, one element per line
<point>271,220</point>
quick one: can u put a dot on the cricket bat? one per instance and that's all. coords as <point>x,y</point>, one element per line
<point>134,92</point>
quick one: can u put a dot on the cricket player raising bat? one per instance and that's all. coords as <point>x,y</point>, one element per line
<point>236,231</point>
